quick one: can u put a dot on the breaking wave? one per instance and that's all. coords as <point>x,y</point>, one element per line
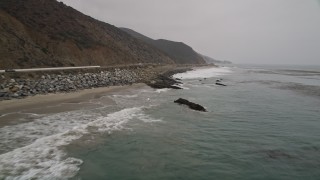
<point>204,73</point>
<point>44,157</point>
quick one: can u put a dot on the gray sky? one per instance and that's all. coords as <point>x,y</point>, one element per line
<point>242,31</point>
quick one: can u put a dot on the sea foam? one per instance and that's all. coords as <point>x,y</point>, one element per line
<point>45,158</point>
<point>22,134</point>
<point>204,73</point>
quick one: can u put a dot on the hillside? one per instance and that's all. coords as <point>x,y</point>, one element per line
<point>179,52</point>
<point>47,33</point>
<point>210,60</point>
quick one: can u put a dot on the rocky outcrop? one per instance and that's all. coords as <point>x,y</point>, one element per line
<point>220,84</point>
<point>191,105</point>
<point>165,80</point>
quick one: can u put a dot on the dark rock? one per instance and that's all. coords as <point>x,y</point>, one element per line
<point>6,90</point>
<point>220,84</point>
<point>175,87</point>
<point>191,105</point>
<point>24,94</point>
<point>3,94</point>
<point>14,95</point>
<point>15,88</point>
<point>33,91</point>
<point>163,81</point>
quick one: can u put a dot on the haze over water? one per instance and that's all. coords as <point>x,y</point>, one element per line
<point>244,31</point>
<point>263,125</point>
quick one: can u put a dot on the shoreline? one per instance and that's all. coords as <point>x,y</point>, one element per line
<point>38,101</point>
<point>22,85</point>
<point>51,99</point>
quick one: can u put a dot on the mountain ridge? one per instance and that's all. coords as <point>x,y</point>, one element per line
<point>179,52</point>
<point>47,33</point>
<point>210,60</point>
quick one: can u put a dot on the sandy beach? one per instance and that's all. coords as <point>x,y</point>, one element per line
<point>38,101</point>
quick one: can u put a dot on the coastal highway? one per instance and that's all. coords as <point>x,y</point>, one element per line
<point>78,67</point>
<point>48,69</point>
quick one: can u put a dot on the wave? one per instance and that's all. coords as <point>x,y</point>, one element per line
<point>288,72</point>
<point>183,86</point>
<point>146,118</point>
<point>310,90</point>
<point>22,134</point>
<point>204,73</point>
<point>162,90</point>
<point>126,96</point>
<point>7,114</point>
<point>45,158</point>
<point>208,86</point>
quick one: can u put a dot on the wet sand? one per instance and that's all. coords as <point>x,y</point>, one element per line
<point>51,100</point>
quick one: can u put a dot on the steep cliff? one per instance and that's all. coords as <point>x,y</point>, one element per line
<point>47,33</point>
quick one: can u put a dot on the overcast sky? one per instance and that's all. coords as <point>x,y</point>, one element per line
<point>242,31</point>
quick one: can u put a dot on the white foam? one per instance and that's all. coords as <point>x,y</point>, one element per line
<point>8,114</point>
<point>22,134</point>
<point>204,73</point>
<point>45,158</point>
<point>162,90</point>
<point>182,86</point>
<point>126,96</point>
<point>146,118</point>
<point>209,86</point>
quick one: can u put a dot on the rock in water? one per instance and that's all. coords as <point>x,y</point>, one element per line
<point>191,105</point>
<point>164,82</point>
<point>220,84</point>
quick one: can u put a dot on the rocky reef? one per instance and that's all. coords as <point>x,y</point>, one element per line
<point>191,105</point>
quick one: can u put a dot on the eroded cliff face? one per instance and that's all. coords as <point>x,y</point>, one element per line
<point>46,33</point>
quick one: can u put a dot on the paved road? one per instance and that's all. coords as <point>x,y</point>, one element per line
<point>51,69</point>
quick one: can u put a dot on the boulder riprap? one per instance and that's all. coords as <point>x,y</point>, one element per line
<point>66,81</point>
<point>191,105</point>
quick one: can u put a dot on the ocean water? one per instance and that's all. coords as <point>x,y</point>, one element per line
<point>265,124</point>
